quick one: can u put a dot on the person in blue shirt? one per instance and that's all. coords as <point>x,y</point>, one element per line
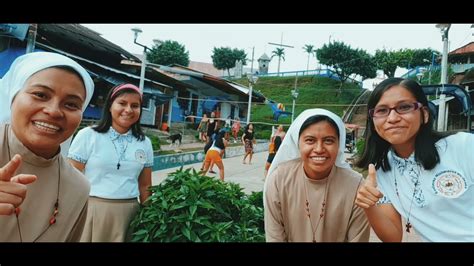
<point>415,172</point>
<point>117,158</point>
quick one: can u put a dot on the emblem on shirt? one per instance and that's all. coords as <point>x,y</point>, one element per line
<point>449,184</point>
<point>140,156</point>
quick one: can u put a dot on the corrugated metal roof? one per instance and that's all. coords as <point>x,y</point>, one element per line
<point>82,41</point>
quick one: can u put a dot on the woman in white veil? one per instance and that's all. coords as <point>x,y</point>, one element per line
<point>27,65</point>
<point>310,190</point>
<point>42,197</point>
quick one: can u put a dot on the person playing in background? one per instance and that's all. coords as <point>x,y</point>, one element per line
<point>279,132</point>
<point>117,158</point>
<point>42,197</point>
<point>248,139</point>
<point>271,147</point>
<point>415,172</point>
<point>211,127</point>
<point>218,112</point>
<point>202,128</point>
<point>272,152</point>
<point>236,129</point>
<point>310,191</point>
<point>215,152</point>
<point>219,127</point>
<point>227,122</point>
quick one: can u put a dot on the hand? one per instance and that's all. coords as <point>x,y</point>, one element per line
<point>368,194</point>
<point>13,189</point>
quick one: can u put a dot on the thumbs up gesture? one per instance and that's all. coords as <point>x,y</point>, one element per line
<point>13,188</point>
<point>368,194</point>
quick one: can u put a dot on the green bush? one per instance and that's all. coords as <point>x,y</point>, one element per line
<point>190,207</point>
<point>360,145</point>
<point>155,142</point>
<point>263,134</point>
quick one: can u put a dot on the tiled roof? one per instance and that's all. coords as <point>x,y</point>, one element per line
<point>466,49</point>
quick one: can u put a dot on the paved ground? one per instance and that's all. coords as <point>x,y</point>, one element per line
<point>250,177</point>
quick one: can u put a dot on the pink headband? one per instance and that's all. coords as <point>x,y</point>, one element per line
<point>125,86</point>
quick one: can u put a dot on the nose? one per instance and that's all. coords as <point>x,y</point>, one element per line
<point>128,108</point>
<point>318,147</point>
<point>393,115</point>
<point>54,110</point>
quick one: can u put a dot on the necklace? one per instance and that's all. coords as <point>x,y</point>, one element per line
<point>308,209</point>
<point>52,220</point>
<point>123,149</point>
<point>408,225</point>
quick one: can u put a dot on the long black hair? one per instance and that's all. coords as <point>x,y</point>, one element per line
<point>376,148</point>
<point>106,121</point>
<point>277,142</point>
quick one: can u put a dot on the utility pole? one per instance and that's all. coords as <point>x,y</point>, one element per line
<point>294,94</point>
<point>281,45</point>
<point>444,72</point>
<point>252,80</point>
<point>251,67</point>
<point>31,39</point>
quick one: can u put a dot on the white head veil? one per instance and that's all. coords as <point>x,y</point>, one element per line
<point>27,65</point>
<point>289,149</point>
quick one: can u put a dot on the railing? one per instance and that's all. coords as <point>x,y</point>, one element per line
<point>326,72</point>
<point>460,68</point>
<point>420,69</point>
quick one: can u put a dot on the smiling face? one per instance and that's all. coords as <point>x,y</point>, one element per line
<point>319,145</point>
<point>125,111</point>
<point>400,130</point>
<point>48,110</point>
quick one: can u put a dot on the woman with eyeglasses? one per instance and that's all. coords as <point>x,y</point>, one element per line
<point>415,172</point>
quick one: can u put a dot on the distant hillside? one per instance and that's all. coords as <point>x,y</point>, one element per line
<point>314,92</point>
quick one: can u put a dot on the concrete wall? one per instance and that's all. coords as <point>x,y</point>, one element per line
<point>148,115</point>
<point>174,160</point>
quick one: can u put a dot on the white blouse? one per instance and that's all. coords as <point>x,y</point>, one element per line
<point>113,161</point>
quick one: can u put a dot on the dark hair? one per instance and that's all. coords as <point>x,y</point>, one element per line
<point>376,148</point>
<point>106,120</point>
<point>219,143</point>
<point>246,128</point>
<point>277,143</point>
<point>316,119</point>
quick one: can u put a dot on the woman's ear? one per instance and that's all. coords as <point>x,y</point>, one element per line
<point>426,114</point>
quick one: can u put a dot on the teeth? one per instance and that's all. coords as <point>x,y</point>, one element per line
<point>318,158</point>
<point>46,126</point>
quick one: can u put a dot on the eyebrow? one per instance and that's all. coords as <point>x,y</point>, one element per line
<point>398,102</point>
<point>325,137</point>
<point>46,87</point>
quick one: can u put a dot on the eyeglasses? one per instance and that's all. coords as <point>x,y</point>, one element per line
<point>402,108</point>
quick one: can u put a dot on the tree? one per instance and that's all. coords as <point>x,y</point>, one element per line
<point>308,48</point>
<point>168,53</point>
<point>365,65</point>
<point>280,52</point>
<point>388,61</point>
<point>347,61</point>
<point>339,56</point>
<point>224,58</point>
<point>422,57</point>
<point>240,54</point>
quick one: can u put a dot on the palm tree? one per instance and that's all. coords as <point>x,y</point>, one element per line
<point>308,48</point>
<point>280,52</point>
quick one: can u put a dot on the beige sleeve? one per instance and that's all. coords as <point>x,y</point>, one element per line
<point>274,226</point>
<point>76,232</point>
<point>358,229</point>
